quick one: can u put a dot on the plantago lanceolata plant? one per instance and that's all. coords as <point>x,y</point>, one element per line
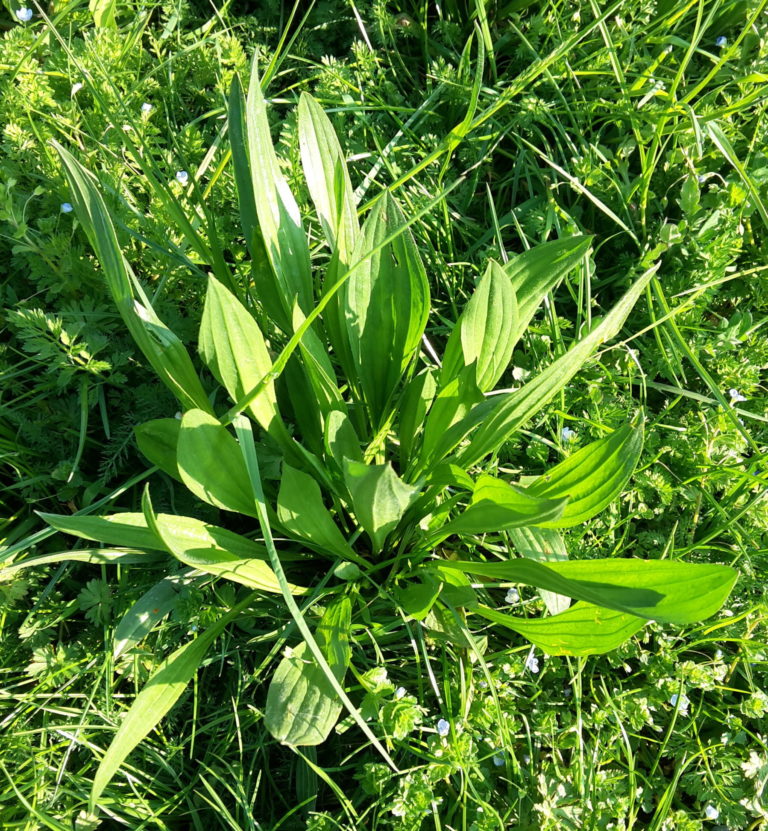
<point>387,459</point>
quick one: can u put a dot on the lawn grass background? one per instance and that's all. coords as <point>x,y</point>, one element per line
<point>640,123</point>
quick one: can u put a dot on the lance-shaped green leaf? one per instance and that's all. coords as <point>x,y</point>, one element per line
<point>302,707</point>
<point>233,348</point>
<point>157,440</point>
<point>157,697</point>
<point>147,612</point>
<point>164,351</point>
<point>592,477</point>
<point>279,220</point>
<point>500,415</point>
<point>127,529</point>
<point>264,280</point>
<point>325,170</point>
<point>194,544</point>
<point>101,556</point>
<point>341,441</point>
<point>301,512</point>
<point>663,590</point>
<point>486,331</point>
<point>211,465</point>
<point>103,12</point>
<point>386,306</point>
<point>496,506</point>
<point>413,408</point>
<point>542,545</point>
<point>132,529</point>
<point>537,271</point>
<point>446,423</point>
<point>583,629</point>
<point>379,498</point>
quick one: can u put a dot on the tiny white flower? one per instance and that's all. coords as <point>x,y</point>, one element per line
<point>399,692</point>
<point>146,107</point>
<point>24,14</point>
<point>398,810</point>
<point>727,613</point>
<point>182,177</point>
<point>498,759</point>
<point>684,702</point>
<point>669,48</point>
<point>526,759</point>
<point>76,87</point>
<point>512,596</point>
<point>721,41</point>
<point>566,434</point>
<point>718,654</point>
<point>483,685</point>
<point>66,207</point>
<point>178,416</point>
<point>532,663</point>
<point>701,178</point>
<point>710,812</point>
<point>443,727</point>
<point>127,128</point>
<point>736,396</point>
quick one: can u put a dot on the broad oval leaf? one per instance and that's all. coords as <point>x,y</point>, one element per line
<point>211,465</point>
<point>379,498</point>
<point>592,477</point>
<point>302,706</point>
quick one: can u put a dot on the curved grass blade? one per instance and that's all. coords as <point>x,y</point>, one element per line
<point>157,697</point>
<point>245,435</point>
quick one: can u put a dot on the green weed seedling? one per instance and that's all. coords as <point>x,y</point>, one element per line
<point>386,459</point>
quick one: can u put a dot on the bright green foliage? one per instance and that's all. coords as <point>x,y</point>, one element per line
<point>351,488</point>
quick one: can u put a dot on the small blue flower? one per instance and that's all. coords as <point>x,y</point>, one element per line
<point>182,177</point>
<point>400,692</point>
<point>736,396</point>
<point>710,812</point>
<point>146,107</point>
<point>66,207</point>
<point>24,14</point>
<point>701,178</point>
<point>512,596</point>
<point>443,728</point>
<point>566,434</point>
<point>532,663</point>
<point>498,759</point>
<point>684,702</point>
<point>721,41</point>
